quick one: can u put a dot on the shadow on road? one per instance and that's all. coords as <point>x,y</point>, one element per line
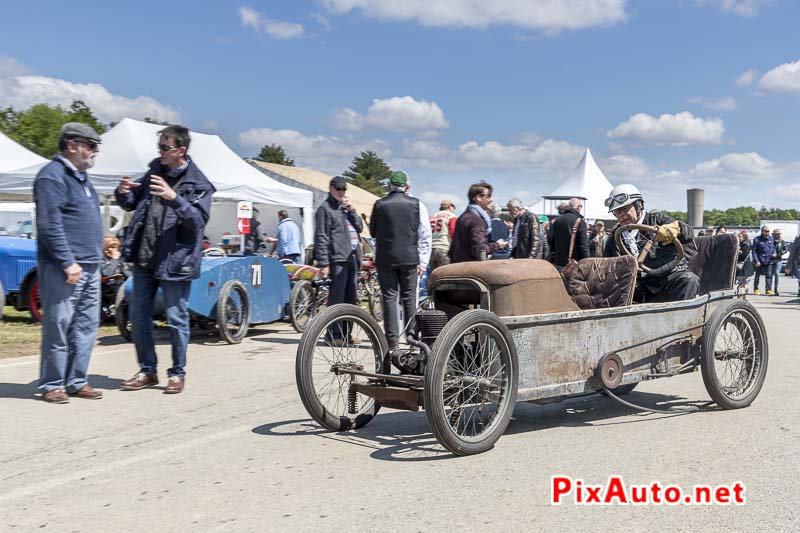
<point>404,436</point>
<point>27,391</point>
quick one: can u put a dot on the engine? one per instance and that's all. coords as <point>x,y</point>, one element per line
<point>427,327</point>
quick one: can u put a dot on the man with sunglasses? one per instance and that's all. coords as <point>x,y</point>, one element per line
<point>68,254</point>
<point>164,241</point>
<point>337,229</point>
<point>626,203</point>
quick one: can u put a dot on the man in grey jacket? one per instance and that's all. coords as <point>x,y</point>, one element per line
<point>336,242</point>
<point>70,236</point>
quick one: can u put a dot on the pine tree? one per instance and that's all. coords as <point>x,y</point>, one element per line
<point>369,172</point>
<point>274,153</point>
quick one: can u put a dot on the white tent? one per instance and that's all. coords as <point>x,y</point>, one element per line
<point>587,181</point>
<point>129,147</point>
<point>15,158</point>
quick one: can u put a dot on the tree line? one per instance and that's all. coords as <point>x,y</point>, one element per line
<point>740,216</point>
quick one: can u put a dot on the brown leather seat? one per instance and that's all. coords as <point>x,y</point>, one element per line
<point>602,282</point>
<point>515,287</point>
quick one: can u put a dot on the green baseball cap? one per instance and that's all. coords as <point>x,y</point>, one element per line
<point>543,218</point>
<point>398,178</point>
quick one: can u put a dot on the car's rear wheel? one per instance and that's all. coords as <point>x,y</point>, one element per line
<point>302,304</point>
<point>33,300</point>
<point>735,355</point>
<point>471,382</point>
<point>233,312</point>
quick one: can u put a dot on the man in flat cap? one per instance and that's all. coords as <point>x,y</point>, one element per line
<point>70,236</point>
<point>337,229</point>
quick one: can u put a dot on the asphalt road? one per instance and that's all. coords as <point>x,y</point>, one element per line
<point>237,452</point>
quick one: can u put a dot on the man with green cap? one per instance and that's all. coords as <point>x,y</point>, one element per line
<point>398,224</point>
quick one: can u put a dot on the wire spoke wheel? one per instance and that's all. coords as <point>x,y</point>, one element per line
<point>471,383</point>
<point>302,304</point>
<point>735,355</point>
<point>122,314</point>
<point>342,336</point>
<point>233,312</point>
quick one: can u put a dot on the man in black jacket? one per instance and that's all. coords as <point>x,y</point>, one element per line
<point>164,241</point>
<point>395,224</point>
<point>627,205</point>
<point>561,234</point>
<point>525,238</point>
<point>336,238</point>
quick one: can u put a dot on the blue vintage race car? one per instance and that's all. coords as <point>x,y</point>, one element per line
<point>18,285</point>
<point>234,292</point>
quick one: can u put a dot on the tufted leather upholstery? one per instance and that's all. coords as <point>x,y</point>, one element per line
<point>602,282</point>
<point>713,259</point>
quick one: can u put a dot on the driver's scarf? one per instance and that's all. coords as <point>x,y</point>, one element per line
<point>630,237</point>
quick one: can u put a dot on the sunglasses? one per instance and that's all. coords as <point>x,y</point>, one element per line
<point>340,189</point>
<point>91,144</point>
<point>165,147</point>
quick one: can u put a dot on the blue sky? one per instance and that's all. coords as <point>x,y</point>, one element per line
<point>668,94</point>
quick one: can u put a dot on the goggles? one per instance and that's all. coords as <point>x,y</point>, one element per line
<point>621,198</point>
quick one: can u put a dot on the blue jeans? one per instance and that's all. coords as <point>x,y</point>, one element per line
<point>176,304</point>
<point>777,268</point>
<point>766,270</point>
<point>70,317</point>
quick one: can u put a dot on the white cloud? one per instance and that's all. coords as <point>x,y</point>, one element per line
<point>787,192</point>
<point>547,15</point>
<point>623,167</point>
<point>550,154</point>
<point>399,113</point>
<point>783,78</point>
<point>321,19</point>
<point>322,152</point>
<point>748,166</point>
<point>747,77</point>
<point>672,130</point>
<point>250,18</point>
<point>717,104</point>
<point>744,8</point>
<point>9,67</point>
<point>21,92</point>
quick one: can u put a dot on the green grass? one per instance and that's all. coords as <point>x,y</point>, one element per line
<point>18,330</point>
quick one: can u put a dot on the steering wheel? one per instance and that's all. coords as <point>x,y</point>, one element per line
<point>214,252</point>
<point>663,269</point>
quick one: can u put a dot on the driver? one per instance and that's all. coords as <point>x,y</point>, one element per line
<point>627,205</point>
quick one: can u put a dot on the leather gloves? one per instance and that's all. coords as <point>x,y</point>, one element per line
<point>668,232</point>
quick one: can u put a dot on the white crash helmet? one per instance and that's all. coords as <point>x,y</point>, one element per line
<point>622,195</point>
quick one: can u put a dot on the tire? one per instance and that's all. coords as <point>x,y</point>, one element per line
<point>622,390</point>
<point>122,314</point>
<point>233,312</point>
<point>315,356</point>
<point>375,306</point>
<point>2,299</point>
<point>735,345</point>
<point>448,407</point>
<point>302,306</point>
<point>32,300</point>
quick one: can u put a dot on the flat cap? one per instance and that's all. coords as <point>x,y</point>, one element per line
<point>338,182</point>
<point>71,130</point>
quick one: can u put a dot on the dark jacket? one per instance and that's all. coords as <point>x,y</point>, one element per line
<point>763,249</point>
<point>252,240</point>
<point>793,262</point>
<point>659,254</point>
<point>180,243</point>
<point>780,248</point>
<point>394,224</point>
<point>744,263</point>
<point>67,217</point>
<point>331,236</point>
<point>471,237</point>
<point>498,231</point>
<point>561,234</point>
<point>526,242</point>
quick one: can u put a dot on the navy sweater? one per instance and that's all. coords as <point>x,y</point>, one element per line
<point>68,224</point>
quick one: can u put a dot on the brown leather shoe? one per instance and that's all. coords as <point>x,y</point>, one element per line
<point>55,396</point>
<point>140,381</point>
<point>87,392</point>
<point>174,385</point>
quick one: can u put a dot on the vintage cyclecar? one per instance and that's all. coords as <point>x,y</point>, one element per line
<point>233,292</point>
<point>500,332</point>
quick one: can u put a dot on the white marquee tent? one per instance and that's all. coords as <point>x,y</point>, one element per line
<point>129,147</point>
<point>586,181</point>
<point>16,158</point>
